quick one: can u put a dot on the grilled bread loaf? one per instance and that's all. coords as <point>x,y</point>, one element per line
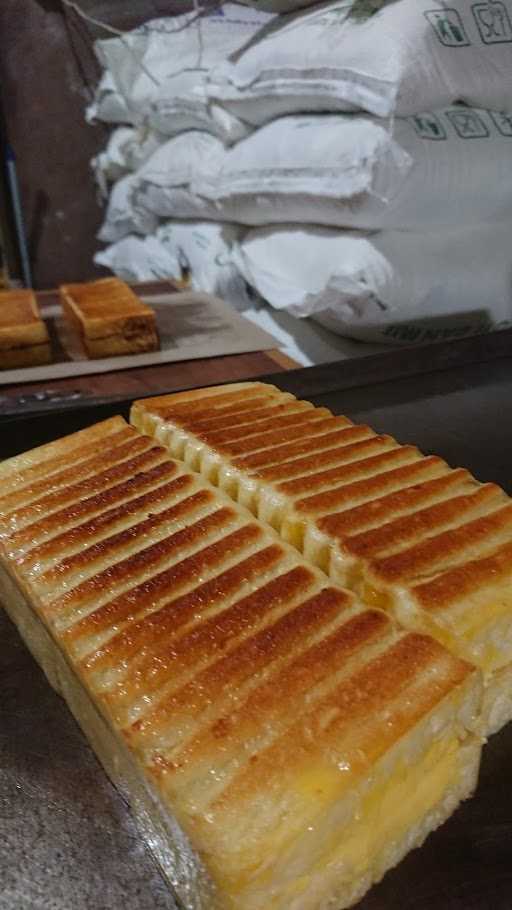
<point>281,744</point>
<point>24,339</point>
<point>407,532</point>
<point>109,317</point>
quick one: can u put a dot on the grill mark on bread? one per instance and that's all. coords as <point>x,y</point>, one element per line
<point>271,643</point>
<point>354,712</point>
<point>442,591</point>
<point>275,455</point>
<point>248,666</point>
<point>178,612</point>
<point>32,495</point>
<point>262,709</point>
<point>128,605</point>
<point>14,468</point>
<point>193,700</point>
<point>114,545</point>
<point>255,428</point>
<point>364,467</point>
<point>424,523</point>
<point>241,416</point>
<point>344,453</point>
<point>370,486</point>
<point>210,641</point>
<point>47,468</point>
<point>145,560</point>
<point>316,425</point>
<point>436,552</point>
<point>53,502</point>
<point>221,402</point>
<point>93,504</point>
<point>231,414</point>
<point>401,501</point>
<point>87,530</point>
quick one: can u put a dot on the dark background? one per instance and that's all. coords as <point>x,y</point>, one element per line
<point>48,72</point>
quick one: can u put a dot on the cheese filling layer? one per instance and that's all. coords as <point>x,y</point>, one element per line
<point>384,816</point>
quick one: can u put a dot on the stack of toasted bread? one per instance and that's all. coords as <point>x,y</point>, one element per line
<point>108,318</point>
<point>406,532</point>
<point>282,743</point>
<point>286,635</point>
<point>24,339</point>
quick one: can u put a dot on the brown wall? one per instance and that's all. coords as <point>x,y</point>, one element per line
<point>47,70</point>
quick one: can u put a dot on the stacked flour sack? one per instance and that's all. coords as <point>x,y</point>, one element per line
<point>377,178</point>
<point>167,133</point>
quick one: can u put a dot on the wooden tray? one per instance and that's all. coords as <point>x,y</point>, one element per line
<point>191,326</point>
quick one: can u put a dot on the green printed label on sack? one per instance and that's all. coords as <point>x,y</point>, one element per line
<point>468,124</point>
<point>428,126</point>
<point>448,26</point>
<point>493,22</point>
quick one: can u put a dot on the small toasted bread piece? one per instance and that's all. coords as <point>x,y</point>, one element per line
<point>281,744</point>
<point>110,318</point>
<point>24,339</point>
<point>407,532</point>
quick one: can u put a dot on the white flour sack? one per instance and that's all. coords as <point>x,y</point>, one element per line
<point>362,8</point>
<point>139,259</point>
<point>123,216</point>
<point>108,105</point>
<point>161,67</point>
<point>388,286</point>
<point>204,253</point>
<point>127,148</point>
<point>411,56</point>
<point>164,182</point>
<point>350,170</point>
<point>194,253</point>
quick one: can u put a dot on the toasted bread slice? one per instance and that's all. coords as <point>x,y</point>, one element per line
<point>110,318</point>
<point>406,532</point>
<point>281,744</point>
<point>24,339</point>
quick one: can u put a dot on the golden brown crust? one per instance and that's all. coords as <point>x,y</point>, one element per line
<point>37,355</point>
<point>443,591</point>
<point>21,325</point>
<point>75,537</point>
<point>407,528</point>
<point>53,504</point>
<point>415,470</point>
<point>22,469</point>
<point>359,719</point>
<point>445,549</point>
<point>215,398</point>
<point>289,685</point>
<point>246,413</point>
<point>128,480</point>
<point>274,455</point>
<point>259,656</point>
<point>228,665</point>
<point>349,444</point>
<point>122,447</point>
<point>179,611</point>
<point>146,560</point>
<point>378,512</point>
<point>109,317</point>
<point>407,531</point>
